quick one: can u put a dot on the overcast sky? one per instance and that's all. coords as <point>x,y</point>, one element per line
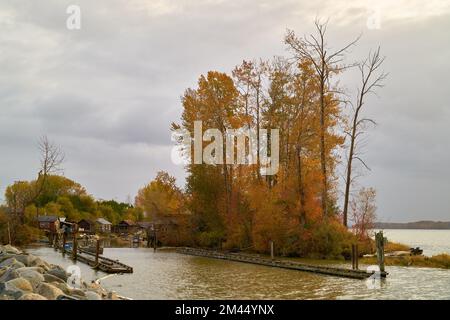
<point>108,92</point>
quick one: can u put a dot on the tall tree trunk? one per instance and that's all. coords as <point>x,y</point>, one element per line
<point>301,189</point>
<point>322,146</point>
<point>349,170</point>
<point>258,164</point>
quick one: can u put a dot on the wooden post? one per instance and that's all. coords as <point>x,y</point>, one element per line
<point>74,243</point>
<point>63,249</point>
<point>97,252</point>
<point>353,257</point>
<point>271,250</point>
<point>154,241</point>
<point>148,238</point>
<point>379,239</point>
<point>356,257</point>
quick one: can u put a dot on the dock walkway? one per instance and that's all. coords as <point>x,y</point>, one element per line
<point>104,264</point>
<point>285,264</point>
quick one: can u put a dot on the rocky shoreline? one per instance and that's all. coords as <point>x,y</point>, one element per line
<point>24,276</point>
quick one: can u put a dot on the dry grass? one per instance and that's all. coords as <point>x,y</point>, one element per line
<point>394,246</point>
<point>438,261</point>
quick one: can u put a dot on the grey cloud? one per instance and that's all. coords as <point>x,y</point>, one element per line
<point>108,92</point>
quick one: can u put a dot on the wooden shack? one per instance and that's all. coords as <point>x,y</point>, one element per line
<point>126,226</point>
<point>48,223</point>
<point>102,225</point>
<point>86,226</point>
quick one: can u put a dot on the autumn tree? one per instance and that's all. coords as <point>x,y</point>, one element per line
<point>160,197</point>
<point>327,63</point>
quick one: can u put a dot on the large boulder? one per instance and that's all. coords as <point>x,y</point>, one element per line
<point>15,287</point>
<point>38,262</point>
<point>58,272</point>
<point>9,249</point>
<point>6,257</point>
<point>49,291</point>
<point>37,269</point>
<point>25,258</point>
<point>34,277</point>
<point>8,274</point>
<point>12,263</point>
<point>3,270</point>
<point>62,286</point>
<point>78,293</point>
<point>31,296</point>
<point>51,278</point>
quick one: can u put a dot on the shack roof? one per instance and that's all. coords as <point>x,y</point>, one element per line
<point>103,221</point>
<point>127,222</point>
<point>47,218</point>
<point>144,224</point>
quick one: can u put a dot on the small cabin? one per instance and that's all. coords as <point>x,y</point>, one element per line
<point>87,226</point>
<point>48,223</point>
<point>126,226</point>
<point>102,225</point>
<point>144,225</point>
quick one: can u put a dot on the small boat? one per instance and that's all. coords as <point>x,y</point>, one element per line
<point>416,251</point>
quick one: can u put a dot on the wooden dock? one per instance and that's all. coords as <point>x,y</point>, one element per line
<point>285,264</point>
<point>104,264</point>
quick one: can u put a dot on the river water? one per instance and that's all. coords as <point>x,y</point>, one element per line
<point>166,274</point>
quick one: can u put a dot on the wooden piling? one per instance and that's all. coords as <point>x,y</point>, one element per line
<point>97,252</point>
<point>63,249</point>
<point>74,244</point>
<point>353,257</point>
<point>272,256</point>
<point>379,239</point>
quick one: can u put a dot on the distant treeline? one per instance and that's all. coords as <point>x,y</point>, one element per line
<point>414,225</point>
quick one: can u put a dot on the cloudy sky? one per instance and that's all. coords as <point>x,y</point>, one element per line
<point>108,92</point>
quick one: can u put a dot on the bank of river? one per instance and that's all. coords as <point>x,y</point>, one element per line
<point>169,275</point>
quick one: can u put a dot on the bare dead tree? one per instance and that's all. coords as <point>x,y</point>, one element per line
<point>371,79</point>
<point>326,64</point>
<point>52,158</point>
